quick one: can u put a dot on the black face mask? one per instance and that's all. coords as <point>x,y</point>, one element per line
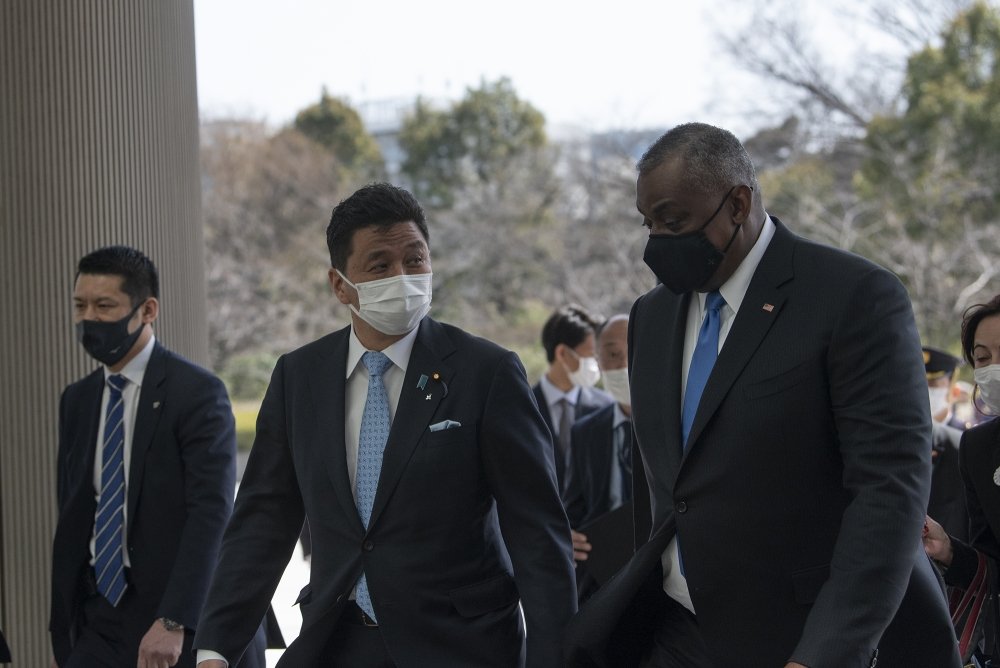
<point>685,262</point>
<point>108,342</point>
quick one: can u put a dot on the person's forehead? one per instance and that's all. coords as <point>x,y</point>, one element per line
<point>106,285</point>
<point>662,187</point>
<point>614,333</point>
<point>382,238</point>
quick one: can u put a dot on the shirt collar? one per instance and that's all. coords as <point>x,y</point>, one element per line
<point>553,394</point>
<point>735,289</point>
<point>398,353</point>
<point>136,367</point>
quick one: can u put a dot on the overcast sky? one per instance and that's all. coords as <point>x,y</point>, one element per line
<point>593,65</point>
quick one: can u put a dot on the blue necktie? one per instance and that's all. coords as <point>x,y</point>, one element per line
<point>109,565</point>
<point>702,361</point>
<point>375,426</point>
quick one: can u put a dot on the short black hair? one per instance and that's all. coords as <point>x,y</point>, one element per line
<point>376,204</point>
<point>970,322</point>
<point>569,325</point>
<point>139,278</point>
<point>714,159</point>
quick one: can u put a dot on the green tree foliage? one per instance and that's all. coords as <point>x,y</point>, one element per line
<point>931,170</point>
<point>334,124</point>
<point>476,142</point>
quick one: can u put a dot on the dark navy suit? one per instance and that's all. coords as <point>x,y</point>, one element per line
<point>467,521</point>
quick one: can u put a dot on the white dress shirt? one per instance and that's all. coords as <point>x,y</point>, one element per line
<point>134,372</point>
<point>733,291</point>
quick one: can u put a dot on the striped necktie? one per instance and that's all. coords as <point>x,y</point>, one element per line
<point>375,425</point>
<point>109,565</point>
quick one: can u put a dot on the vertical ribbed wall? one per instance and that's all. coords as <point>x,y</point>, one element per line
<point>98,145</point>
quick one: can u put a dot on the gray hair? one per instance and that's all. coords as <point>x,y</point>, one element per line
<point>714,159</point>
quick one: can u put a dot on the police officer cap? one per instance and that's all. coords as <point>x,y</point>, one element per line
<point>938,363</point>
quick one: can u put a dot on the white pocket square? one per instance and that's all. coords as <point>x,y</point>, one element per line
<point>445,424</point>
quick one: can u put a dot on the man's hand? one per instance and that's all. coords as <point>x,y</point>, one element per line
<point>580,546</point>
<point>937,543</point>
<point>160,648</point>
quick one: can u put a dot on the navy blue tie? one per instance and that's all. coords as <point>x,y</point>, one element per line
<point>705,352</point>
<point>375,424</point>
<point>109,564</point>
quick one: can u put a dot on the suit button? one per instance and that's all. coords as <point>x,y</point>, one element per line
<point>368,546</point>
<point>681,507</point>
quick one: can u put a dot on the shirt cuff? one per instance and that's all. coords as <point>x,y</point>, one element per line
<point>208,655</point>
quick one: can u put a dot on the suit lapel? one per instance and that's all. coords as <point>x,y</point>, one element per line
<point>760,309</point>
<point>664,335</point>
<point>327,384</point>
<point>415,408</point>
<point>86,441</point>
<point>147,416</point>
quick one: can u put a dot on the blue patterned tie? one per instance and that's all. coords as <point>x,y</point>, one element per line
<point>109,567</point>
<point>375,425</point>
<point>702,361</point>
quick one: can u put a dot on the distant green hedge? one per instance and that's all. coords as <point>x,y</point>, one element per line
<point>246,423</point>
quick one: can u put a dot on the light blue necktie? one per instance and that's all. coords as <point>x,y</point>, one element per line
<point>375,426</point>
<point>109,565</point>
<point>705,352</point>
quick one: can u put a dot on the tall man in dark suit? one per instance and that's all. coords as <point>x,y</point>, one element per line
<point>787,480</point>
<point>146,476</point>
<point>566,392</point>
<point>426,472</point>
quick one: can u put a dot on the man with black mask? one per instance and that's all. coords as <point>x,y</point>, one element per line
<point>146,478</point>
<point>787,487</point>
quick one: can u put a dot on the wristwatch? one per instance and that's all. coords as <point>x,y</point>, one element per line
<point>171,625</point>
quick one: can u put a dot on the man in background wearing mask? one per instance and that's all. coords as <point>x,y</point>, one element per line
<point>566,392</point>
<point>146,476</point>
<point>787,482</point>
<point>947,499</point>
<point>600,473</point>
<point>420,459</point>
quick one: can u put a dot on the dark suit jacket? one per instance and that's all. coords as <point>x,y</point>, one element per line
<point>979,459</point>
<point>451,505</point>
<point>588,484</point>
<point>947,502</point>
<point>180,493</point>
<point>590,400</point>
<point>801,496</point>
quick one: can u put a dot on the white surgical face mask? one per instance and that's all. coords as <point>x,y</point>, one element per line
<point>393,305</point>
<point>988,380</point>
<point>587,373</point>
<point>939,399</point>
<point>616,383</point>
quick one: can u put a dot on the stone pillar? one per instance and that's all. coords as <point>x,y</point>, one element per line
<point>98,145</point>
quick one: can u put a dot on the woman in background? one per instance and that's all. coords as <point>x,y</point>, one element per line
<point>967,566</point>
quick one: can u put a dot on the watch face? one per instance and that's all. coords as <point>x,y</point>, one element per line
<point>170,624</point>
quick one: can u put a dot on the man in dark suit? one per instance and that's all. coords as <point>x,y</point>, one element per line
<point>565,393</point>
<point>600,472</point>
<point>787,484</point>
<point>600,478</point>
<point>426,472</point>
<point>146,476</point>
<point>947,500</point>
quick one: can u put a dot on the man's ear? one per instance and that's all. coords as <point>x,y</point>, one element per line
<point>742,204</point>
<point>149,310</point>
<point>339,286</point>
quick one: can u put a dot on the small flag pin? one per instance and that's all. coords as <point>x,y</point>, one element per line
<point>768,307</point>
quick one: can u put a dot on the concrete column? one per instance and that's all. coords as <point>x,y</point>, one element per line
<point>98,145</point>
